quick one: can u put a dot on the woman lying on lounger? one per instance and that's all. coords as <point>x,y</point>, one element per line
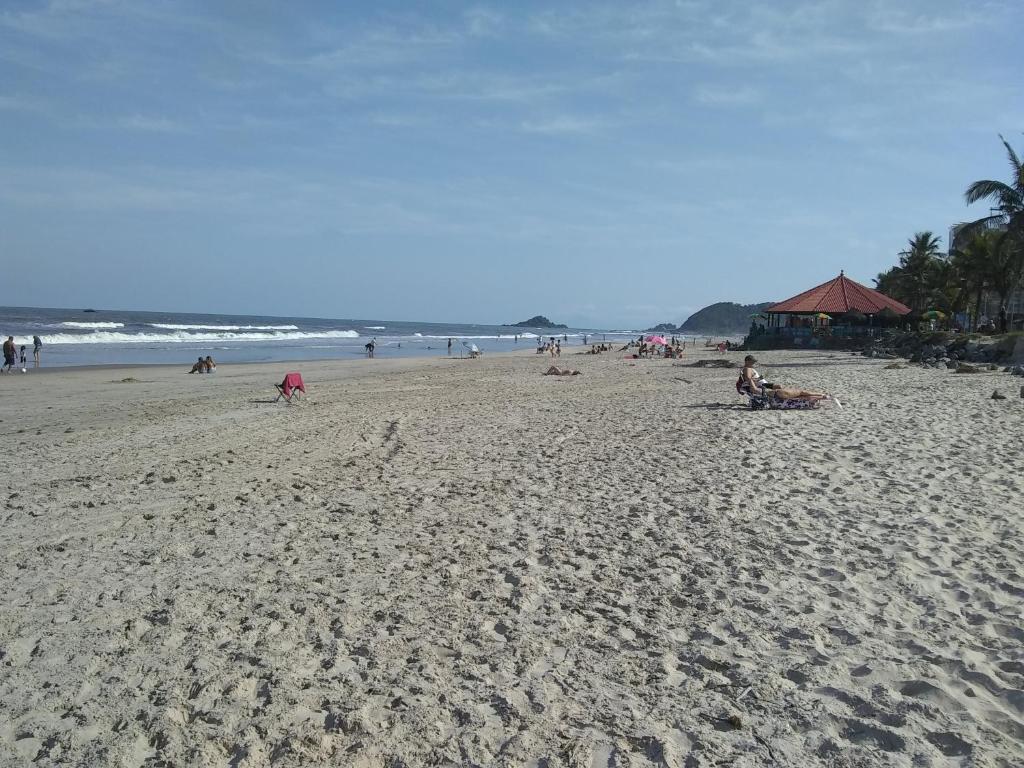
<point>752,381</point>
<point>554,370</point>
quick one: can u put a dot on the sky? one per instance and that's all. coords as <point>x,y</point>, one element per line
<point>604,164</point>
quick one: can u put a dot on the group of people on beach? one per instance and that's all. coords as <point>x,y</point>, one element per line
<point>204,365</point>
<point>552,347</point>
<point>13,357</point>
<point>641,348</point>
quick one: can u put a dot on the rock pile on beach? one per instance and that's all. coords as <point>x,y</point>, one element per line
<point>957,352</point>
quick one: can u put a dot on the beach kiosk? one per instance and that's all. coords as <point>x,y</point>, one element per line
<point>840,307</point>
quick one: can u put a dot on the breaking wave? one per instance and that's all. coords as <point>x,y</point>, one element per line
<point>76,324</point>
<point>499,336</point>
<point>181,337</point>
<point>174,327</point>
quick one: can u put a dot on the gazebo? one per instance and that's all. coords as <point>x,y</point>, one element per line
<point>835,299</point>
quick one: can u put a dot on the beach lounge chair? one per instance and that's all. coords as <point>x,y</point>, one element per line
<point>762,400</point>
<point>290,387</point>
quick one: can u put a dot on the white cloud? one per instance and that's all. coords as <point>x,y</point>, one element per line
<point>388,120</point>
<point>14,103</point>
<point>728,96</point>
<point>152,124</point>
<point>891,19</point>
<point>483,22</point>
<point>562,125</point>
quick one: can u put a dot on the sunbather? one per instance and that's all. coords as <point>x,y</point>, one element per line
<point>754,383</point>
<point>554,370</point>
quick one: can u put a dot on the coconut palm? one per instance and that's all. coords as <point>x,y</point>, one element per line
<point>948,292</point>
<point>917,269</point>
<point>1008,199</point>
<point>889,283</point>
<point>1004,253</point>
<point>985,263</point>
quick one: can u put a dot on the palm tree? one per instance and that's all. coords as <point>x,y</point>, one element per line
<point>1008,210</point>
<point>1005,262</point>
<point>916,276</point>
<point>890,283</point>
<point>972,268</point>
<point>948,292</point>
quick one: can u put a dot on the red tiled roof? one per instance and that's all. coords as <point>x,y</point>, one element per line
<point>838,296</point>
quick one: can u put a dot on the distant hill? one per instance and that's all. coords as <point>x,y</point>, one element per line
<point>723,317</point>
<point>537,321</point>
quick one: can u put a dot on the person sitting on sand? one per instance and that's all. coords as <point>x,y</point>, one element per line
<point>554,370</point>
<point>209,365</point>
<point>754,383</point>
<point>199,366</point>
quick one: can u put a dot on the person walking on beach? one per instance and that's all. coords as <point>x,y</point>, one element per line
<point>10,354</point>
<point>449,346</point>
<point>37,344</point>
<point>558,349</point>
<point>369,347</point>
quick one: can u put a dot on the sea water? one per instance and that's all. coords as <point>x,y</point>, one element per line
<point>102,337</point>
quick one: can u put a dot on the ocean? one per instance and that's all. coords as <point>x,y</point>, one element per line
<point>102,337</point>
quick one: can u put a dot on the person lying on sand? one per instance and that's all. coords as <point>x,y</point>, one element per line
<point>753,382</point>
<point>554,370</point>
<point>791,393</point>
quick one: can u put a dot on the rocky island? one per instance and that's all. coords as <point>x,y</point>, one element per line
<point>723,317</point>
<point>537,321</point>
<point>663,328</point>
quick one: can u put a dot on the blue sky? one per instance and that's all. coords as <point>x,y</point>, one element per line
<point>605,164</point>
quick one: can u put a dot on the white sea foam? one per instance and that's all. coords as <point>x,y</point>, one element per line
<point>76,324</point>
<point>375,327</point>
<point>501,336</point>
<point>182,337</point>
<point>176,327</point>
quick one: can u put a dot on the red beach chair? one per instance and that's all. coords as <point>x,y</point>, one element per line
<point>290,387</point>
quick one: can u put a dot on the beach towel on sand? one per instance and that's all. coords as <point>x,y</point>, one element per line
<point>292,382</point>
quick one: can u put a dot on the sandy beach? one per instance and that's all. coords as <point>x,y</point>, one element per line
<point>456,562</point>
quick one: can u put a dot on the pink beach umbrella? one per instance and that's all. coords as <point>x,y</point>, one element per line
<point>656,340</point>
